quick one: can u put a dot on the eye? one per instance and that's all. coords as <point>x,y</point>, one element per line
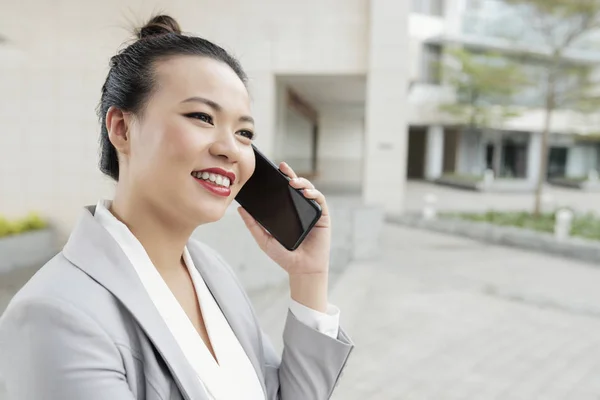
<point>202,117</point>
<point>247,134</point>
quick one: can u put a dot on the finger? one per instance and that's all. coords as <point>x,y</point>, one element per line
<point>259,234</point>
<point>301,183</point>
<point>286,169</point>
<point>317,196</point>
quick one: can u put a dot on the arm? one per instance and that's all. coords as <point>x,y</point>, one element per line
<point>312,360</point>
<point>311,363</point>
<point>51,350</point>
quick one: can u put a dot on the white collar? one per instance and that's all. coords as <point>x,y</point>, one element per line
<point>233,361</point>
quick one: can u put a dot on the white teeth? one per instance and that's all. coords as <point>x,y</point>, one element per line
<point>216,178</point>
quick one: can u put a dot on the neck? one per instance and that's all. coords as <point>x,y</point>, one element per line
<point>159,233</point>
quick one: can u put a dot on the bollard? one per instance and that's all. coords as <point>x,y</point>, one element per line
<point>562,224</point>
<point>488,178</point>
<point>429,211</point>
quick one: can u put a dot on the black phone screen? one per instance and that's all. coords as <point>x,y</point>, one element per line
<point>282,210</point>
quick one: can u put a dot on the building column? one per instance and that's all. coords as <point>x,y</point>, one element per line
<point>497,156</point>
<point>575,162</point>
<point>264,108</point>
<point>386,133</point>
<point>453,18</point>
<point>534,152</point>
<point>280,138</point>
<point>434,152</point>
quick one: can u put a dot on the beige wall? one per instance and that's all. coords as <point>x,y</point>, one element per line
<point>298,145</point>
<point>50,79</point>
<point>340,145</point>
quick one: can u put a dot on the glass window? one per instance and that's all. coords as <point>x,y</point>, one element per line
<point>431,66</point>
<point>417,6</point>
<point>437,8</point>
<point>429,7</point>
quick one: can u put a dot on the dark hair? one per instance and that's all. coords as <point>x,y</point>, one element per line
<point>131,79</point>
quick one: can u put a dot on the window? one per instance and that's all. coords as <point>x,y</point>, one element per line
<point>557,162</point>
<point>473,5</point>
<point>429,7</point>
<point>437,8</point>
<point>431,67</point>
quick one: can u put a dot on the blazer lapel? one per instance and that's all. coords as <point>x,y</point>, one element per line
<point>231,300</point>
<point>93,250</point>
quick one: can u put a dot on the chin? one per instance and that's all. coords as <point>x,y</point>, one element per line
<point>207,213</point>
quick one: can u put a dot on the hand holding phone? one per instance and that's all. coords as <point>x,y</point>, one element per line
<point>281,209</point>
<point>311,258</point>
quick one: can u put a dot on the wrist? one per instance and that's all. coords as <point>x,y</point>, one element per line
<point>310,290</point>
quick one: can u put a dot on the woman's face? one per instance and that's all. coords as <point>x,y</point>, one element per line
<point>190,150</point>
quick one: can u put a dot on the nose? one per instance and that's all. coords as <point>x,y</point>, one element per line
<point>225,146</point>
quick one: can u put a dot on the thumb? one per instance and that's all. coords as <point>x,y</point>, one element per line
<point>258,232</point>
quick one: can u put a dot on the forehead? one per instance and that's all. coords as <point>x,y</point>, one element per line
<point>179,78</point>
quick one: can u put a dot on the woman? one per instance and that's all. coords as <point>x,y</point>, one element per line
<point>132,308</point>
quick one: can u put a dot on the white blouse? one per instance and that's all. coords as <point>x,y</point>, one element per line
<point>233,365</point>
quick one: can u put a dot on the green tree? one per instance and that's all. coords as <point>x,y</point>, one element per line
<point>484,83</point>
<point>561,25</point>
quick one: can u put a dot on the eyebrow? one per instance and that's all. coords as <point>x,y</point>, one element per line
<point>216,106</point>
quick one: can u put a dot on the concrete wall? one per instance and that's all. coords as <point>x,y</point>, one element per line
<point>51,78</point>
<point>386,117</point>
<point>298,143</point>
<point>280,122</point>
<point>340,145</point>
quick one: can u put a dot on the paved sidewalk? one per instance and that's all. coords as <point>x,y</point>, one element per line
<point>444,318</point>
<point>452,199</point>
<point>439,317</point>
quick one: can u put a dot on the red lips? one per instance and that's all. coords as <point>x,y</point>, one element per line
<point>220,171</point>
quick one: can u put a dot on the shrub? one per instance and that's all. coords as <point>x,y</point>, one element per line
<point>28,223</point>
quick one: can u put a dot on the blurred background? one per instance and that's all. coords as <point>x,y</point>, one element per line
<point>457,142</point>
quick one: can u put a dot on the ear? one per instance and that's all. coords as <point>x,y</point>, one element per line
<point>117,124</point>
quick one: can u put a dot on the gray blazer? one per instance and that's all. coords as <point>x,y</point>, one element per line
<point>84,328</point>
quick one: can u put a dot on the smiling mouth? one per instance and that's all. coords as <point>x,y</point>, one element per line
<point>216,179</point>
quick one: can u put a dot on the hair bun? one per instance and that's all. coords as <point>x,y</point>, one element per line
<point>159,25</point>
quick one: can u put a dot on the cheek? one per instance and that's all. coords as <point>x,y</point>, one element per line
<point>247,164</point>
<point>179,143</point>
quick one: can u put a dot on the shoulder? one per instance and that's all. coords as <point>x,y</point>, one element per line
<point>61,288</point>
<point>59,279</point>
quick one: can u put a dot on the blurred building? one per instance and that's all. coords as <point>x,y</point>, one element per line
<point>328,80</point>
<point>512,149</point>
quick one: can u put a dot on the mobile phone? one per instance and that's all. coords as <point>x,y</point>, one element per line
<point>281,209</point>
